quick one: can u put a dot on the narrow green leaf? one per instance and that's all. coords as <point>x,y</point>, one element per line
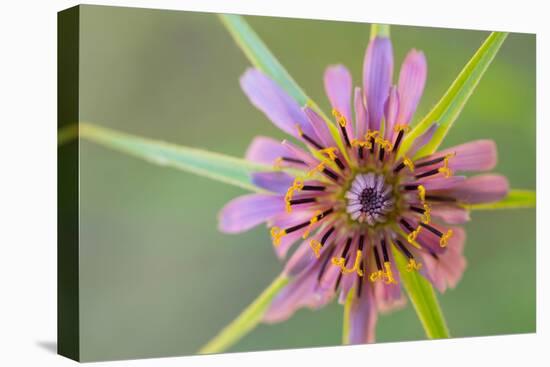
<point>246,321</point>
<point>515,199</point>
<point>446,111</point>
<point>261,57</point>
<point>423,298</point>
<point>227,169</point>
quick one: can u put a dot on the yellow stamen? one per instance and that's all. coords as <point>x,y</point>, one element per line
<point>371,134</point>
<point>426,217</point>
<point>319,168</point>
<point>341,263</point>
<point>388,273</point>
<point>312,221</point>
<point>373,277</point>
<point>398,128</point>
<point>422,193</point>
<point>412,236</point>
<point>330,152</point>
<point>445,238</point>
<point>386,144</point>
<point>298,184</point>
<point>316,247</point>
<point>407,162</point>
<point>339,117</point>
<point>300,131</point>
<point>361,143</point>
<point>278,163</point>
<point>445,170</point>
<point>338,261</point>
<point>277,233</point>
<point>413,265</point>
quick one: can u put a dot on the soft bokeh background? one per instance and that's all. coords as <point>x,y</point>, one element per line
<point>158,279</point>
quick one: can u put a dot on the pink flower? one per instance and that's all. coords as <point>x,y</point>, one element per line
<point>356,197</point>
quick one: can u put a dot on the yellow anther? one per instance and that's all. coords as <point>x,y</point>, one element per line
<point>422,193</point>
<point>412,236</point>
<point>339,117</point>
<point>371,134</point>
<point>398,128</point>
<point>340,262</point>
<point>278,163</point>
<point>361,143</point>
<point>300,131</point>
<point>319,168</point>
<point>276,234</point>
<point>383,143</point>
<point>426,217</point>
<point>443,241</point>
<point>316,247</point>
<point>445,170</point>
<point>329,152</point>
<point>312,222</point>
<point>373,277</point>
<point>407,162</point>
<point>298,184</point>
<point>388,273</point>
<point>413,265</point>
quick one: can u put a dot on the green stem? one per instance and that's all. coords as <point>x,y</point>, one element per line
<point>246,321</point>
<point>346,321</point>
<point>423,299</point>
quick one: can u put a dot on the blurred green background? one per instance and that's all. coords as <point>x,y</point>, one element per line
<point>158,279</point>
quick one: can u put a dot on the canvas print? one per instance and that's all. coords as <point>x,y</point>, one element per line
<point>241,183</point>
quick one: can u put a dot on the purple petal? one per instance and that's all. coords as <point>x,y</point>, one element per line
<point>302,291</point>
<point>377,77</point>
<point>298,153</point>
<point>304,255</point>
<point>320,127</point>
<point>274,102</point>
<point>265,150</point>
<point>277,182</point>
<point>478,155</point>
<point>338,86</point>
<point>363,317</point>
<point>412,79</point>
<point>450,214</point>
<point>389,296</point>
<point>479,189</point>
<point>447,269</point>
<point>245,212</point>
<point>285,220</point>
<point>440,183</point>
<point>361,115</point>
<point>391,108</point>
<point>425,238</point>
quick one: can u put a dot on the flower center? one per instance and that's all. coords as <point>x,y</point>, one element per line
<point>369,199</point>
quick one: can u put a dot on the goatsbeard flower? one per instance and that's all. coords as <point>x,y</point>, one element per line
<point>355,197</point>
